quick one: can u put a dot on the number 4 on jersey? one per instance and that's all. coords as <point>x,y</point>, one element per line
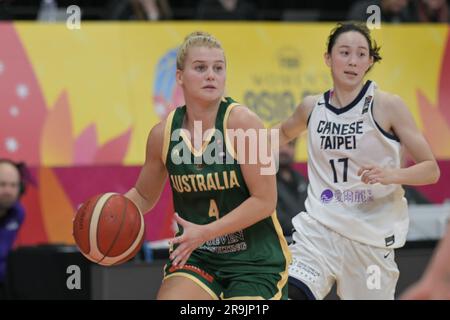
<point>213,210</point>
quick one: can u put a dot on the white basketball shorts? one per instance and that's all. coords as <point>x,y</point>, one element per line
<point>321,257</point>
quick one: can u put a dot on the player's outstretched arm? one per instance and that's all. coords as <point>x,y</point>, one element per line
<point>425,170</point>
<point>293,126</point>
<point>152,177</point>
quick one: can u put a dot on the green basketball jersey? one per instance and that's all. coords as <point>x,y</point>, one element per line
<point>207,184</point>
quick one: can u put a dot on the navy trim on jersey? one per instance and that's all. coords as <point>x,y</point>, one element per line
<point>384,132</point>
<point>299,284</point>
<point>312,110</point>
<point>351,105</point>
<point>309,117</point>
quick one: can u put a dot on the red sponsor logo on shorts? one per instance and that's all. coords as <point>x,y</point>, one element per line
<point>195,269</point>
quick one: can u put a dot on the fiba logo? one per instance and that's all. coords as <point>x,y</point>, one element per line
<point>288,58</point>
<point>326,196</point>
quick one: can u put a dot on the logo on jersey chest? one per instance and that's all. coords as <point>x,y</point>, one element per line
<point>346,196</point>
<point>366,104</point>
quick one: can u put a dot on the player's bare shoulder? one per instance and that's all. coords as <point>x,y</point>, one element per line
<point>386,101</point>
<point>156,134</point>
<point>388,107</point>
<point>156,141</point>
<point>242,117</point>
<point>308,104</point>
<point>303,110</point>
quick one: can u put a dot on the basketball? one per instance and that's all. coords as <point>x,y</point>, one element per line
<point>108,229</point>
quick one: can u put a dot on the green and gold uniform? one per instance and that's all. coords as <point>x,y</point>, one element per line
<point>207,184</point>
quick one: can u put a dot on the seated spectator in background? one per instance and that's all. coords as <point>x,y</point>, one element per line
<point>139,10</point>
<point>432,11</point>
<point>394,11</point>
<point>292,189</point>
<point>225,10</point>
<point>11,212</point>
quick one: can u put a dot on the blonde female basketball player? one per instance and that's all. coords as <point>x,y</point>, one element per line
<point>230,244</point>
<point>355,211</point>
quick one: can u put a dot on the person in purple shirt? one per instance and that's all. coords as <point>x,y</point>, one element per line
<point>12,213</point>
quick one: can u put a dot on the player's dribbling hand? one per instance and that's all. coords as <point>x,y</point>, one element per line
<point>375,174</point>
<point>193,236</point>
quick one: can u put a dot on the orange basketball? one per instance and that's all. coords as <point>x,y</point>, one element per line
<point>109,229</point>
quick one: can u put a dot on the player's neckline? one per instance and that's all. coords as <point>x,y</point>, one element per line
<point>348,107</point>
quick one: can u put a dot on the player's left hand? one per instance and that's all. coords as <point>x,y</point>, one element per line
<point>375,174</point>
<point>193,237</point>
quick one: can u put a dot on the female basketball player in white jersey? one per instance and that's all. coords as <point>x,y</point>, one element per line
<point>355,211</point>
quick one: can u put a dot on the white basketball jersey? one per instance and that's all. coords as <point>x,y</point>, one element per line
<point>341,140</point>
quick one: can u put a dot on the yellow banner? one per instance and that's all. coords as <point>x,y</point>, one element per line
<point>115,81</point>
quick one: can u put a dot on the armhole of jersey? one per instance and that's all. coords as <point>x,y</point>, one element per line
<point>384,132</point>
<point>228,143</point>
<point>312,110</point>
<point>310,114</point>
<point>167,131</point>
